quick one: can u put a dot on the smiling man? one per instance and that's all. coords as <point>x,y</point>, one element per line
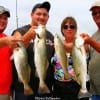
<point>39,15</point>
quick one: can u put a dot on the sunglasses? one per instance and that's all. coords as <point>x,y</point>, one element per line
<point>95,13</point>
<point>69,26</point>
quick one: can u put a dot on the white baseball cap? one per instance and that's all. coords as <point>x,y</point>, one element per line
<point>95,4</point>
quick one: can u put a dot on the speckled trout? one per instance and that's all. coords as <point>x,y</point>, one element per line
<point>80,65</point>
<point>22,67</point>
<point>40,58</point>
<point>61,54</point>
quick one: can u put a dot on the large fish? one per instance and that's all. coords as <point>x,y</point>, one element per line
<point>61,54</point>
<point>22,67</point>
<point>40,58</point>
<point>80,65</point>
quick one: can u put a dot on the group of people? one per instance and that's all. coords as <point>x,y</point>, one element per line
<point>60,88</point>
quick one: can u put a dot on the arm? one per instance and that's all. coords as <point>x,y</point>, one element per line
<point>27,37</point>
<point>11,41</point>
<point>94,44</point>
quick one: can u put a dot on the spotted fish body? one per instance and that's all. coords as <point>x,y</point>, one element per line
<point>61,54</point>
<point>40,58</point>
<point>22,67</point>
<point>80,65</point>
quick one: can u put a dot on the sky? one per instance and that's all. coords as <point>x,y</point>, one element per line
<point>60,9</point>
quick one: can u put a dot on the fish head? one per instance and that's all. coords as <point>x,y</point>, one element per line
<point>20,48</point>
<point>57,41</point>
<point>41,31</point>
<point>56,38</point>
<point>20,44</point>
<point>37,39</point>
<point>16,50</point>
<point>79,41</point>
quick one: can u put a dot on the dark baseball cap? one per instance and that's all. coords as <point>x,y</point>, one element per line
<point>4,10</point>
<point>45,5</point>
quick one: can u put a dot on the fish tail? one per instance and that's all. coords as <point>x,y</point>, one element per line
<point>28,90</point>
<point>85,94</point>
<point>43,88</point>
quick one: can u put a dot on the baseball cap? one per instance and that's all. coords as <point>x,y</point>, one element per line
<point>4,10</point>
<point>95,4</point>
<point>45,5</point>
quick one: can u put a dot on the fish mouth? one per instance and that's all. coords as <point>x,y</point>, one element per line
<point>79,42</point>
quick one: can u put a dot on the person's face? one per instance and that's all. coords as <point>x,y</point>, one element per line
<point>40,16</point>
<point>96,15</point>
<point>3,22</point>
<point>69,30</point>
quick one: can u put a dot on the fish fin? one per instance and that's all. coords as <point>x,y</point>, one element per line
<point>36,74</point>
<point>12,57</point>
<point>29,69</point>
<point>83,94</point>
<point>28,90</point>
<point>78,81</point>
<point>75,78</point>
<point>43,89</point>
<point>19,80</point>
<point>67,76</point>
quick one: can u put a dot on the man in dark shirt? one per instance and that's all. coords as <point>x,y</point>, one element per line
<point>39,15</point>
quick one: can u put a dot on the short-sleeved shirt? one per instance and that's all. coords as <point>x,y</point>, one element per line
<point>94,68</point>
<point>5,68</point>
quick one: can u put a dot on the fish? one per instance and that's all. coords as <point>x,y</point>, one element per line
<point>80,65</point>
<point>20,58</point>
<point>62,57</point>
<point>40,58</point>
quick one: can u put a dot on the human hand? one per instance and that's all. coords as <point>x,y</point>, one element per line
<point>29,35</point>
<point>86,37</point>
<point>32,30</point>
<point>12,41</point>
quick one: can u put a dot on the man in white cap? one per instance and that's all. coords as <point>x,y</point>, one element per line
<point>94,63</point>
<point>5,53</point>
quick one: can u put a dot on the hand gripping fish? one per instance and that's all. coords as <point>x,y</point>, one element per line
<point>80,65</point>
<point>61,54</point>
<point>40,58</point>
<point>22,67</point>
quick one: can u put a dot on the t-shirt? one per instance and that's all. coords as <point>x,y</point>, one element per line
<point>5,68</point>
<point>94,67</point>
